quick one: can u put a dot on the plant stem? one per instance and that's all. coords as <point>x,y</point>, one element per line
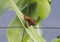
<point>28,8</point>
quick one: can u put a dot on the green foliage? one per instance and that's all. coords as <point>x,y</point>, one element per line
<point>5,5</point>
<point>38,8</point>
<point>43,8</point>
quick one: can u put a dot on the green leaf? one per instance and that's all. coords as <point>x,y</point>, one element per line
<point>5,5</point>
<point>43,8</point>
<point>15,34</point>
